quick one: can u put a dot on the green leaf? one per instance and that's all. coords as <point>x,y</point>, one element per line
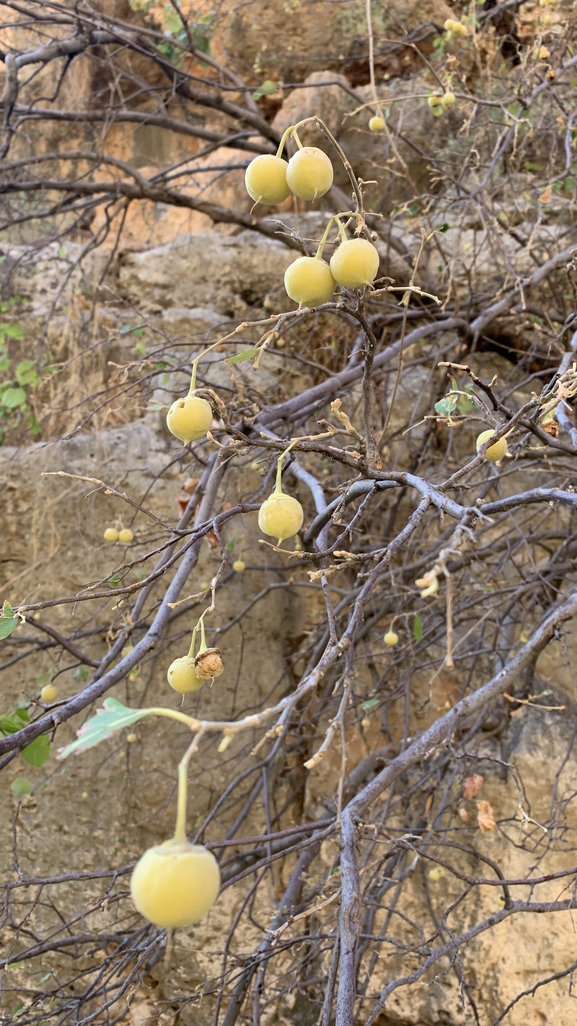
<point>38,751</point>
<point>12,330</point>
<point>446,406</point>
<point>14,721</point>
<point>20,787</point>
<point>370,703</point>
<point>140,349</point>
<point>137,332</point>
<point>33,424</point>
<point>417,627</point>
<point>114,581</point>
<point>4,363</point>
<point>266,89</point>
<point>114,716</point>
<point>249,354</point>
<point>8,622</point>
<point>26,373</point>
<point>13,397</point>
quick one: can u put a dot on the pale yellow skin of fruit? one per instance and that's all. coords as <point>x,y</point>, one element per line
<point>494,452</point>
<point>189,419</point>
<point>280,516</point>
<point>355,263</point>
<point>181,676</point>
<point>377,124</point>
<point>448,100</point>
<point>239,566</point>
<point>111,534</point>
<point>175,884</point>
<point>309,173</point>
<point>49,693</point>
<point>125,536</point>
<point>435,101</point>
<point>391,638</point>
<point>309,281</point>
<point>265,179</point>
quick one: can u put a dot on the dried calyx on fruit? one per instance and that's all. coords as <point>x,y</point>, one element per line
<point>495,452</point>
<point>355,263</point>
<point>190,672</point>
<point>280,516</point>
<point>265,179</point>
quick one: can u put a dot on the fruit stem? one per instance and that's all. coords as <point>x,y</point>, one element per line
<point>319,251</point>
<point>342,231</point>
<point>288,131</point>
<point>193,375</point>
<point>203,645</point>
<point>180,830</point>
<point>278,486</point>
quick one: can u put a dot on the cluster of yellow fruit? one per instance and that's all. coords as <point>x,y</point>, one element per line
<point>310,281</point>
<point>308,175</point>
<point>454,29</point>
<point>124,536</point>
<point>440,103</point>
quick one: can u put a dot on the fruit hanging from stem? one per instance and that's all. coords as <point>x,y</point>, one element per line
<point>309,281</point>
<point>309,173</point>
<point>175,883</point>
<point>280,516</point>
<point>189,419</point>
<point>355,263</point>
<point>495,452</point>
<point>266,180</point>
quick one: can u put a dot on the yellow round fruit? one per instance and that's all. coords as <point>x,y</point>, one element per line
<point>377,123</point>
<point>494,452</point>
<point>265,179</point>
<point>125,536</point>
<point>49,693</point>
<point>239,566</point>
<point>309,173</point>
<point>111,534</point>
<point>449,25</point>
<point>390,637</point>
<point>189,419</point>
<point>280,516</point>
<point>309,281</point>
<point>182,677</point>
<point>435,100</point>
<point>448,100</point>
<point>175,884</point>
<point>355,263</point>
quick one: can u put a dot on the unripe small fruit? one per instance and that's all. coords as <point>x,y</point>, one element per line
<point>435,100</point>
<point>494,452</point>
<point>377,123</point>
<point>208,664</point>
<point>182,676</point>
<point>239,566</point>
<point>265,179</point>
<point>309,173</point>
<point>449,25</point>
<point>125,536</point>
<point>280,516</point>
<point>355,263</point>
<point>111,534</point>
<point>189,419</point>
<point>175,884</point>
<point>49,693</point>
<point>390,637</point>
<point>309,281</point>
<point>448,100</point>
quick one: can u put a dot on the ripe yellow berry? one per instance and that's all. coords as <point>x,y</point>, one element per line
<point>449,25</point>
<point>189,419</point>
<point>448,100</point>
<point>239,566</point>
<point>265,179</point>
<point>175,884</point>
<point>309,173</point>
<point>131,738</point>
<point>377,123</point>
<point>309,281</point>
<point>125,536</point>
<point>111,534</point>
<point>355,263</point>
<point>494,452</point>
<point>182,676</point>
<point>49,693</point>
<point>280,516</point>
<point>435,100</point>
<point>390,637</point>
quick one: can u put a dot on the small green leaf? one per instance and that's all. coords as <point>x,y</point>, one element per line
<point>13,397</point>
<point>137,332</point>
<point>140,349</point>
<point>13,330</point>
<point>26,373</point>
<point>266,89</point>
<point>114,716</point>
<point>447,405</point>
<point>417,627</point>
<point>33,423</point>
<point>249,354</point>
<point>370,703</point>
<point>81,673</point>
<point>38,751</point>
<point>8,622</point>
<point>20,787</point>
<point>114,581</point>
